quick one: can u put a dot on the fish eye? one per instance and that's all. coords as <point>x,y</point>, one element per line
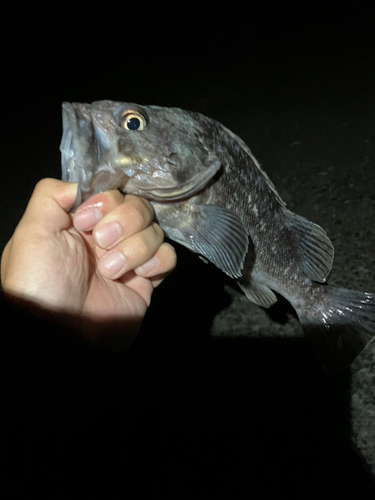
<point>132,120</point>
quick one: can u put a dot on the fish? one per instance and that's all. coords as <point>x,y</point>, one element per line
<point>211,195</point>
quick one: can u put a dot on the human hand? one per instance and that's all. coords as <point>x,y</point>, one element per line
<point>65,263</point>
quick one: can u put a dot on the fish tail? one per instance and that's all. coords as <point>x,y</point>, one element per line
<point>339,325</point>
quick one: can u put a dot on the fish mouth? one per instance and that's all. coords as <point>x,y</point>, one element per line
<point>77,141</point>
<point>85,148</point>
<point>79,151</point>
<point>89,156</point>
<point>178,193</point>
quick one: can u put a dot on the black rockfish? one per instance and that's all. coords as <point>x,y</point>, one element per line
<point>211,195</point>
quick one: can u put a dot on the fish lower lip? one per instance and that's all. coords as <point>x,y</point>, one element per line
<point>70,172</point>
<point>186,190</point>
<point>67,148</point>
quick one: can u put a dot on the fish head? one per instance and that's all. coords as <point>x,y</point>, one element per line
<point>149,151</point>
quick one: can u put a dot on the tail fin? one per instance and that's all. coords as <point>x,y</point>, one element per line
<point>339,325</point>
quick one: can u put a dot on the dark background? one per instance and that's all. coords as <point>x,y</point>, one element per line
<point>200,407</point>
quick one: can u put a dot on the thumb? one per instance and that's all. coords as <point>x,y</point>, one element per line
<point>49,205</point>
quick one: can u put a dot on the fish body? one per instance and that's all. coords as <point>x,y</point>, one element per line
<point>211,195</point>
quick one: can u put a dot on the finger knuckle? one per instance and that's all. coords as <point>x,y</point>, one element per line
<point>171,259</point>
<point>44,185</point>
<point>115,197</point>
<point>140,246</point>
<point>158,232</point>
<point>139,216</point>
<point>142,205</point>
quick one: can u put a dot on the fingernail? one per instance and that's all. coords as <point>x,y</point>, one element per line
<point>108,234</point>
<point>148,266</point>
<point>87,218</point>
<point>112,263</point>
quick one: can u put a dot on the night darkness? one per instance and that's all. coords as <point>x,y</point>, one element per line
<point>216,398</point>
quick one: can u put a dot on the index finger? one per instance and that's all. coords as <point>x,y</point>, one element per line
<point>112,206</point>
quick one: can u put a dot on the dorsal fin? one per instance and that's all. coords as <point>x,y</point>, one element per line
<point>246,148</point>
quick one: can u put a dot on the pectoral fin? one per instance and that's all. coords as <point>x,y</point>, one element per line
<point>218,235</point>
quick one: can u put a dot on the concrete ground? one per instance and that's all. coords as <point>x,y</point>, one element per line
<point>218,396</point>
